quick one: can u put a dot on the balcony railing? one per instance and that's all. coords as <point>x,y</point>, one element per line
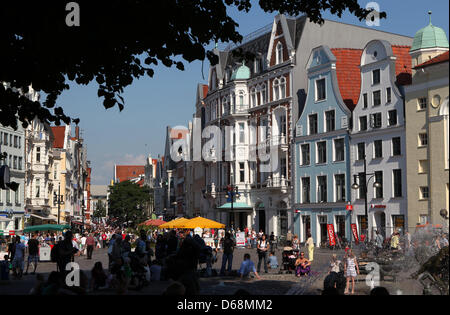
<point>277,182</point>
<point>236,109</point>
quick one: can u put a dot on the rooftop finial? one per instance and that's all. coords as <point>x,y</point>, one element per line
<point>429,13</point>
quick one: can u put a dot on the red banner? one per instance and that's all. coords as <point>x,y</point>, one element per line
<point>331,238</point>
<point>355,232</point>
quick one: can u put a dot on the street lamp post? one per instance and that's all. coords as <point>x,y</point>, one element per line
<point>355,186</point>
<point>232,190</point>
<point>59,200</point>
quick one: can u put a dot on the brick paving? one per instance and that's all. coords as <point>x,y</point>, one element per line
<point>271,283</point>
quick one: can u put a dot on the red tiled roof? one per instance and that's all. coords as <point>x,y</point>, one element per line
<point>59,132</point>
<point>205,90</point>
<point>438,59</point>
<point>348,74</point>
<point>402,64</point>
<point>128,172</point>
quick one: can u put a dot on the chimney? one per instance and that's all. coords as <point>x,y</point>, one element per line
<point>77,132</point>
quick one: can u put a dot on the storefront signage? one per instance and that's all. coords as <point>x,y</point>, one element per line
<point>349,207</point>
<point>240,239</point>
<point>355,232</point>
<point>378,206</point>
<point>331,238</point>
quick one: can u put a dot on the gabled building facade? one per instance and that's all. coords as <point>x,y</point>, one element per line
<point>322,148</point>
<point>378,145</point>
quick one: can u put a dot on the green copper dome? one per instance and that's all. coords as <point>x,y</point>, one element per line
<point>242,73</point>
<point>430,37</point>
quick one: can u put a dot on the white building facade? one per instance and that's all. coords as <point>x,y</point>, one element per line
<point>378,140</point>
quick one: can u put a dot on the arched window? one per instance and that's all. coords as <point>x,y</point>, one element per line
<point>263,95</point>
<point>279,57</point>
<point>276,89</point>
<point>283,87</point>
<point>253,97</point>
<point>225,105</point>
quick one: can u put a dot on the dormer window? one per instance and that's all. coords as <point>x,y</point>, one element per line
<point>276,91</point>
<point>279,56</point>
<point>283,87</point>
<point>320,90</point>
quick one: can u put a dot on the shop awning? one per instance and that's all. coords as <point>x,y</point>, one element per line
<point>236,205</point>
<point>46,227</point>
<point>50,217</point>
<point>201,223</point>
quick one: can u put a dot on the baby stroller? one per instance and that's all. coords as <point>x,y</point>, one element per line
<point>289,256</point>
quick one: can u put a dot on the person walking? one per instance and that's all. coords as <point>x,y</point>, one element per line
<point>90,244</point>
<point>228,249</point>
<point>263,247</point>
<point>310,246</point>
<point>104,238</point>
<point>66,251</point>
<point>351,270</point>
<point>378,242</point>
<point>19,256</point>
<point>33,251</point>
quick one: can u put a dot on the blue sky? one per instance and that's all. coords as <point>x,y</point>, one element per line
<point>168,99</point>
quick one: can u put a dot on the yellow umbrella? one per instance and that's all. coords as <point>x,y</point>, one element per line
<point>173,224</point>
<point>201,223</point>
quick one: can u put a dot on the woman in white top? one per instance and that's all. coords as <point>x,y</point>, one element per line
<point>351,269</point>
<point>335,264</point>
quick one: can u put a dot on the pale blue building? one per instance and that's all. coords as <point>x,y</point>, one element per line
<point>322,156</point>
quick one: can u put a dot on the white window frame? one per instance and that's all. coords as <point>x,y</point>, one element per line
<point>334,149</point>
<point>335,188</point>
<point>301,154</point>
<point>279,53</point>
<point>317,152</point>
<point>302,188</point>
<point>316,90</point>
<point>317,190</point>
<point>276,89</point>
<point>325,120</point>
<point>373,71</point>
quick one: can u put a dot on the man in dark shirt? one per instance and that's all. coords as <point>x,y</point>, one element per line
<point>228,248</point>
<point>33,253</point>
<point>172,243</point>
<point>66,252</point>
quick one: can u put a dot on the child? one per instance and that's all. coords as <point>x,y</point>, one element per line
<point>273,261</point>
<point>351,269</point>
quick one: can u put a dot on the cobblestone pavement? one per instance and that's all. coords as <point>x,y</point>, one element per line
<point>272,283</point>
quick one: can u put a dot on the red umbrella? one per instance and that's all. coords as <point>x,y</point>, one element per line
<point>153,222</point>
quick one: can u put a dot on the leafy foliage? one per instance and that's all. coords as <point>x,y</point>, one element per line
<point>100,210</point>
<point>128,203</point>
<point>117,41</point>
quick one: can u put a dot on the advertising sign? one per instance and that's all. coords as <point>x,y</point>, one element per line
<point>331,238</point>
<point>240,239</point>
<point>355,232</point>
<point>349,207</point>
